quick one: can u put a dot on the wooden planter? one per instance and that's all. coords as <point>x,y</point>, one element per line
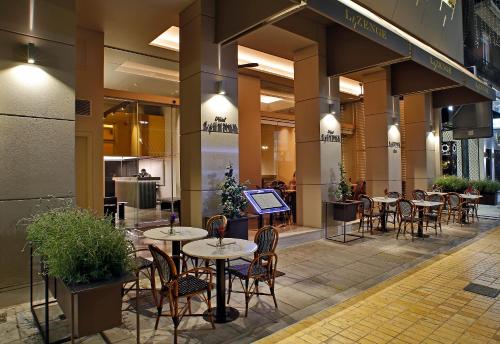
<point>96,307</point>
<point>237,228</point>
<point>345,211</point>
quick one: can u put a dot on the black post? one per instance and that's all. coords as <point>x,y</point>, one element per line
<point>220,315</point>
<point>176,251</point>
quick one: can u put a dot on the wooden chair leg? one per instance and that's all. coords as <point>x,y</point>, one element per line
<point>209,305</point>
<point>159,309</point>
<point>274,296</point>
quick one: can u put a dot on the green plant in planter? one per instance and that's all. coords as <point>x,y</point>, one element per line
<point>77,246</point>
<point>233,200</point>
<point>486,186</point>
<point>343,190</point>
<point>452,183</point>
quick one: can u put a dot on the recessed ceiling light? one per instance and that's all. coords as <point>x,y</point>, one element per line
<point>168,39</point>
<point>148,71</point>
<point>350,86</point>
<point>269,99</point>
<point>268,63</point>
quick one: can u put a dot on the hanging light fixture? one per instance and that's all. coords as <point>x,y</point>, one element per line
<point>31,53</point>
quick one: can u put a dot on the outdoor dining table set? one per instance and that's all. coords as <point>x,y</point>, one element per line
<point>206,248</point>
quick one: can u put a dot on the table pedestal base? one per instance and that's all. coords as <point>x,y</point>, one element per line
<point>231,315</point>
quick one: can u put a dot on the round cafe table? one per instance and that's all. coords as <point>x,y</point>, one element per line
<point>180,234</point>
<point>232,248</point>
<point>384,201</point>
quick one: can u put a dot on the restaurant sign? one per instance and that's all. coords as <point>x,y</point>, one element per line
<point>220,125</point>
<point>330,136</point>
<point>395,146</point>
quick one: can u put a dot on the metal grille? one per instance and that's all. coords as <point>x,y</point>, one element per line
<point>82,107</point>
<point>474,159</point>
<point>359,113</point>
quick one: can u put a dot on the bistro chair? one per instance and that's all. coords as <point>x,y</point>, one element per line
<point>455,207</point>
<point>434,213</point>
<point>419,195</point>
<point>140,266</point>
<point>176,287</point>
<point>406,214</point>
<point>368,213</point>
<point>472,205</point>
<point>392,208</point>
<point>261,269</point>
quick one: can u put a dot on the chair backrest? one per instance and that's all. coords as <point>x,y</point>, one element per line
<point>436,198</point>
<point>266,239</point>
<point>393,194</point>
<point>453,199</point>
<point>437,188</point>
<point>213,225</point>
<point>164,265</point>
<point>419,194</point>
<point>405,208</point>
<point>367,204</point>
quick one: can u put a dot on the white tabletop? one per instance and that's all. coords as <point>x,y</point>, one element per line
<point>206,248</point>
<point>181,233</point>
<point>466,196</point>
<point>436,193</point>
<point>420,203</point>
<point>384,199</point>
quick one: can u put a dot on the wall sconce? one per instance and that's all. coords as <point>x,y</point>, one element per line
<point>31,53</point>
<point>219,87</point>
<point>331,108</point>
<point>395,121</point>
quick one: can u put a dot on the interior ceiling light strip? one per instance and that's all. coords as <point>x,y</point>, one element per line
<point>148,71</point>
<point>169,39</point>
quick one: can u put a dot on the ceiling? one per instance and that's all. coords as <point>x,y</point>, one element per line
<point>131,24</point>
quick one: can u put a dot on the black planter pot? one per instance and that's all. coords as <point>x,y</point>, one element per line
<point>237,228</point>
<point>489,199</point>
<point>345,211</point>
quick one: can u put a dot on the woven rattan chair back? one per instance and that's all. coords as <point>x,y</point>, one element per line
<point>266,239</point>
<point>419,195</point>
<point>213,225</point>
<point>453,200</point>
<point>405,208</point>
<point>367,204</point>
<point>164,265</point>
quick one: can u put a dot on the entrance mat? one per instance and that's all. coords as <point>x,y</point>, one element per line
<point>482,290</point>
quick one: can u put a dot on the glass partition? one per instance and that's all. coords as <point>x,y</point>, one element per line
<point>141,161</point>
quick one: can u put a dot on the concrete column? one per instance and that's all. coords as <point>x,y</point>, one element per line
<point>37,125</point>
<point>318,134</point>
<point>383,139</point>
<point>89,172</point>
<point>422,142</point>
<point>209,111</point>
<point>250,130</point>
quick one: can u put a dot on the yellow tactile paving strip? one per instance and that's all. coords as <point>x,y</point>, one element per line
<point>424,305</point>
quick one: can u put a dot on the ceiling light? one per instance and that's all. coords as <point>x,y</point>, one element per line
<point>267,63</point>
<point>350,86</point>
<point>168,39</point>
<point>107,126</point>
<point>118,158</point>
<point>269,99</point>
<point>144,122</point>
<point>450,108</point>
<point>148,71</point>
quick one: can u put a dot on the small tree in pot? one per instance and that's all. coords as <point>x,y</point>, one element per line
<point>86,256</point>
<point>344,209</point>
<point>234,203</point>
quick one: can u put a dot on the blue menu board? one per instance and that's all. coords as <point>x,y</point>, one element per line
<point>266,201</point>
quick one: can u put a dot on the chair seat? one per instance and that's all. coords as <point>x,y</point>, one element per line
<point>241,271</point>
<point>142,263</point>
<point>432,215</point>
<point>191,284</point>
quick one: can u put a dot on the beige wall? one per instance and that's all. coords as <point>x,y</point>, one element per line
<point>250,131</point>
<point>89,130</point>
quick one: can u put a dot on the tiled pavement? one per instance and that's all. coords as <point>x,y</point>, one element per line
<point>424,305</point>
<point>319,275</point>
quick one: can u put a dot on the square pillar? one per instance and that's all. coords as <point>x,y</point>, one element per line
<point>422,141</point>
<point>318,134</point>
<point>209,112</point>
<point>383,139</point>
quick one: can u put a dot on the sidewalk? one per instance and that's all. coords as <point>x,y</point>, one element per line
<point>423,305</point>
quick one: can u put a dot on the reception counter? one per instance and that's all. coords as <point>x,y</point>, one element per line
<point>137,192</point>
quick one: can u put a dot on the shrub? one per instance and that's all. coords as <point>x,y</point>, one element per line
<point>77,246</point>
<point>457,184</point>
<point>486,186</point>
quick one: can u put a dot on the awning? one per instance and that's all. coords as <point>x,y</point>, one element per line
<point>360,39</point>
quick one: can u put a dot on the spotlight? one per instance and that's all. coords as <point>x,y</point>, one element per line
<point>219,87</point>
<point>31,53</point>
<point>450,108</point>
<point>331,108</point>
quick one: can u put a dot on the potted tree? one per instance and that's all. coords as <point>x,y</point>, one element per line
<point>234,203</point>
<point>344,209</point>
<point>86,259</point>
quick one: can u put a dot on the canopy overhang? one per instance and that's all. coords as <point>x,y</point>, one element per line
<point>359,39</point>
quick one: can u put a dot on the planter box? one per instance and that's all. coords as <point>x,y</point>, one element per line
<point>97,307</point>
<point>345,211</point>
<point>490,199</point>
<point>237,228</point>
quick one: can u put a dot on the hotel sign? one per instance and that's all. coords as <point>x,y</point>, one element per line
<point>330,136</point>
<point>220,125</point>
<point>437,65</point>
<point>394,145</point>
